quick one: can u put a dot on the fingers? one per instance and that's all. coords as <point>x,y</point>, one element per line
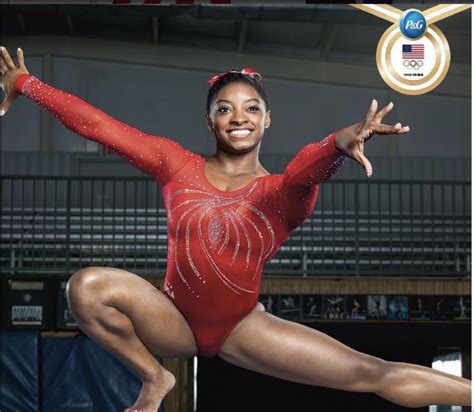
<point>4,68</point>
<point>364,162</point>
<point>400,130</point>
<point>369,117</point>
<point>387,129</point>
<point>380,115</point>
<point>7,59</point>
<point>404,129</point>
<point>21,59</point>
<point>380,128</point>
<point>6,105</point>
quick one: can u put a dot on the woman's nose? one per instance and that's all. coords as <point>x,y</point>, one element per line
<point>238,117</point>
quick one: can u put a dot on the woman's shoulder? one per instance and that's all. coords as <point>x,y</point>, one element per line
<point>263,173</point>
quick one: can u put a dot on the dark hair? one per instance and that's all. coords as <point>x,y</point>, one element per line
<point>236,77</point>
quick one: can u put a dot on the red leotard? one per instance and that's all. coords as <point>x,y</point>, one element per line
<point>218,241</point>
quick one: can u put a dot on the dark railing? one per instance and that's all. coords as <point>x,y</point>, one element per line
<point>96,164</point>
<point>58,225</point>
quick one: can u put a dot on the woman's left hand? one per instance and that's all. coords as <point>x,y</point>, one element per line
<point>350,140</point>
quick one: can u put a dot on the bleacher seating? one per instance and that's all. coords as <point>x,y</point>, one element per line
<point>53,240</point>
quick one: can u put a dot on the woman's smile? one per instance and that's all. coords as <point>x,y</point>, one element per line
<point>240,133</point>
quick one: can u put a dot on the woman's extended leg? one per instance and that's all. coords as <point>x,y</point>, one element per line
<point>287,350</point>
<point>134,321</point>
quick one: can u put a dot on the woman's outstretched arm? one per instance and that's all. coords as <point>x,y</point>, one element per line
<point>158,156</point>
<point>317,162</point>
<point>313,164</point>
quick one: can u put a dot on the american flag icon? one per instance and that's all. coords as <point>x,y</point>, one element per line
<point>413,51</point>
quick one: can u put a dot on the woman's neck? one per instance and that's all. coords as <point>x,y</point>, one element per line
<point>237,164</point>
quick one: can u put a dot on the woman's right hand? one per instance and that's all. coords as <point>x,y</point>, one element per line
<point>10,72</point>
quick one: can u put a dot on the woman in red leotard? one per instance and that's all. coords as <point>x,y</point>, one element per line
<point>227,217</point>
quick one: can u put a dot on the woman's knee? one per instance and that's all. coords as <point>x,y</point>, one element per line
<point>368,374</point>
<point>86,284</point>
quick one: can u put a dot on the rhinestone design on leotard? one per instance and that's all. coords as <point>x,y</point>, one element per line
<point>225,213</point>
<point>214,229</point>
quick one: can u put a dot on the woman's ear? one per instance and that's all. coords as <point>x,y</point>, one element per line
<point>209,123</point>
<point>267,120</point>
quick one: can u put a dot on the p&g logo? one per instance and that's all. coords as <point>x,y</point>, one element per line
<point>413,24</point>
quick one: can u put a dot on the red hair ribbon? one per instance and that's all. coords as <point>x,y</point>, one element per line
<point>249,71</point>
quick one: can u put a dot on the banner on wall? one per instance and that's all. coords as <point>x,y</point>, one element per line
<point>309,307</point>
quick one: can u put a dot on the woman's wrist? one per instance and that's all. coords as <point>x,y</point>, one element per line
<point>339,139</point>
<point>20,81</point>
<point>344,137</point>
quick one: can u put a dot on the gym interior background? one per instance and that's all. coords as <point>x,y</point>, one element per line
<point>383,264</point>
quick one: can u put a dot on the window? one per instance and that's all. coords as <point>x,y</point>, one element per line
<point>449,363</point>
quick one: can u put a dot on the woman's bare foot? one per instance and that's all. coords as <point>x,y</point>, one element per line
<point>152,393</point>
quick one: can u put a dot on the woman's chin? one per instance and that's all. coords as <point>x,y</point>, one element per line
<point>241,143</point>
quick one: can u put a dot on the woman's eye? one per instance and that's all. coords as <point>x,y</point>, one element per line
<point>254,108</point>
<point>222,109</point>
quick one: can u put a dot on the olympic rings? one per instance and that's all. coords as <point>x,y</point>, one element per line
<point>413,64</point>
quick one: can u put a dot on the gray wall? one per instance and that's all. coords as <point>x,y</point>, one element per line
<point>21,125</point>
<point>170,102</point>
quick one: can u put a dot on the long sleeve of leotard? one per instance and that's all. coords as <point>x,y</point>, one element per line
<point>314,163</point>
<point>158,156</point>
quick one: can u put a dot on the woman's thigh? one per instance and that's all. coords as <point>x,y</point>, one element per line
<point>94,292</point>
<point>288,350</point>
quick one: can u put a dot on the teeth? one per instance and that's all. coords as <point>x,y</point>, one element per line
<point>240,133</point>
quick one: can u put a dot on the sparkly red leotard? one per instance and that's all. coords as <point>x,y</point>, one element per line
<point>218,241</point>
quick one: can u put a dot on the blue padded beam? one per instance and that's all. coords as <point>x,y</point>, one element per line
<point>80,376</point>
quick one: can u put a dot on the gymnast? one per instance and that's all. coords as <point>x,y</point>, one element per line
<point>227,216</point>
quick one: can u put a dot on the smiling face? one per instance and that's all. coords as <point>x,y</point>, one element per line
<point>238,117</point>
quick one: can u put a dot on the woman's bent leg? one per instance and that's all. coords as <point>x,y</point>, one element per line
<point>134,321</point>
<point>287,350</point>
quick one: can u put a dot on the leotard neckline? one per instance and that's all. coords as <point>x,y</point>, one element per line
<point>202,170</point>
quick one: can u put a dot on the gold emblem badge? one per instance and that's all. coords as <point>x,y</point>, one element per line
<point>413,54</point>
